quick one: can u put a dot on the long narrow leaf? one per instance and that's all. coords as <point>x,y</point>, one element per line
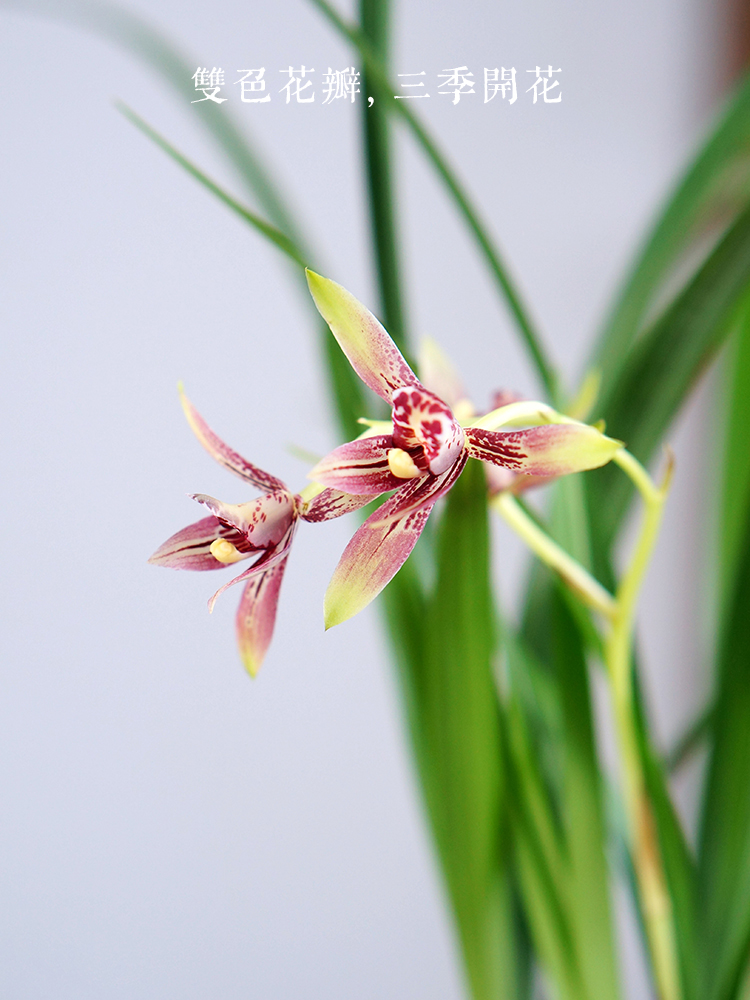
<point>582,811</point>
<point>142,39</point>
<point>460,726</point>
<point>471,216</point>
<point>662,368</point>
<point>725,839</point>
<point>375,17</point>
<point>714,189</point>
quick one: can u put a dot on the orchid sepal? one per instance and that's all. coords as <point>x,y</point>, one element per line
<point>371,352</point>
<point>378,550</point>
<point>550,450</point>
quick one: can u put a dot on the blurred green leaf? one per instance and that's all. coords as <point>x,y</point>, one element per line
<point>661,369</point>
<point>375,18</point>
<point>538,848</point>
<point>715,188</point>
<point>378,74</point>
<point>735,493</point>
<point>724,859</point>
<point>460,730</point>
<point>142,39</point>
<point>582,810</point>
<point>677,861</point>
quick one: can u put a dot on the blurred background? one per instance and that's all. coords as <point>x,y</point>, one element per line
<point>170,828</point>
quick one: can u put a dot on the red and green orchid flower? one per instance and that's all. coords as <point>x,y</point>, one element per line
<point>262,528</point>
<point>423,451</point>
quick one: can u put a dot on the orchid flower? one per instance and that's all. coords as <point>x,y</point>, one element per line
<point>423,451</point>
<point>262,528</point>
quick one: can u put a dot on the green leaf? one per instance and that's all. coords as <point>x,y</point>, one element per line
<point>498,270</point>
<point>147,43</point>
<point>661,369</point>
<point>271,233</point>
<point>724,857</point>
<point>537,841</point>
<point>677,862</point>
<point>736,460</point>
<point>712,191</point>
<point>375,17</point>
<point>582,810</point>
<point>459,730</point>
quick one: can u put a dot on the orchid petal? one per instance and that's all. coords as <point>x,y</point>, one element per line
<point>264,521</point>
<point>268,558</point>
<point>552,450</point>
<point>381,546</point>
<point>358,467</point>
<point>371,352</point>
<point>438,374</point>
<point>256,615</point>
<point>421,418</point>
<point>423,492</point>
<point>190,548</point>
<point>224,454</point>
<point>332,503</point>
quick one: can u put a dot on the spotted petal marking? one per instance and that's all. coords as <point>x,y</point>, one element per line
<point>190,547</point>
<point>371,352</point>
<point>423,492</point>
<point>263,521</point>
<point>371,559</point>
<point>552,450</point>
<point>256,615</point>
<point>421,418</point>
<point>330,504</point>
<point>224,455</point>
<point>358,467</point>
<point>381,546</point>
<point>267,559</point>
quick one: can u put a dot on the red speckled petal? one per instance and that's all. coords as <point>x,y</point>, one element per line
<point>421,418</point>
<point>551,450</point>
<point>189,548</point>
<point>359,467</point>
<point>332,503</point>
<point>256,615</point>
<point>264,521</point>
<point>381,546</point>
<point>371,352</point>
<point>268,558</point>
<point>224,454</point>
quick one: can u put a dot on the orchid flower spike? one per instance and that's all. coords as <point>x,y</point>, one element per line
<point>424,452</point>
<point>262,529</point>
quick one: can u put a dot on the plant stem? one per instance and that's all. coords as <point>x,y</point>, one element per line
<point>655,898</point>
<point>574,574</point>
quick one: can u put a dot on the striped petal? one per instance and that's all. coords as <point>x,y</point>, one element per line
<point>224,454</point>
<point>423,492</point>
<point>263,521</point>
<point>256,615</point>
<point>378,550</point>
<point>551,450</point>
<point>330,504</point>
<point>268,558</point>
<point>359,467</point>
<point>371,352</point>
<point>420,418</point>
<point>190,548</point>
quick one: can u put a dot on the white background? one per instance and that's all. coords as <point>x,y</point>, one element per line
<point>170,829</point>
